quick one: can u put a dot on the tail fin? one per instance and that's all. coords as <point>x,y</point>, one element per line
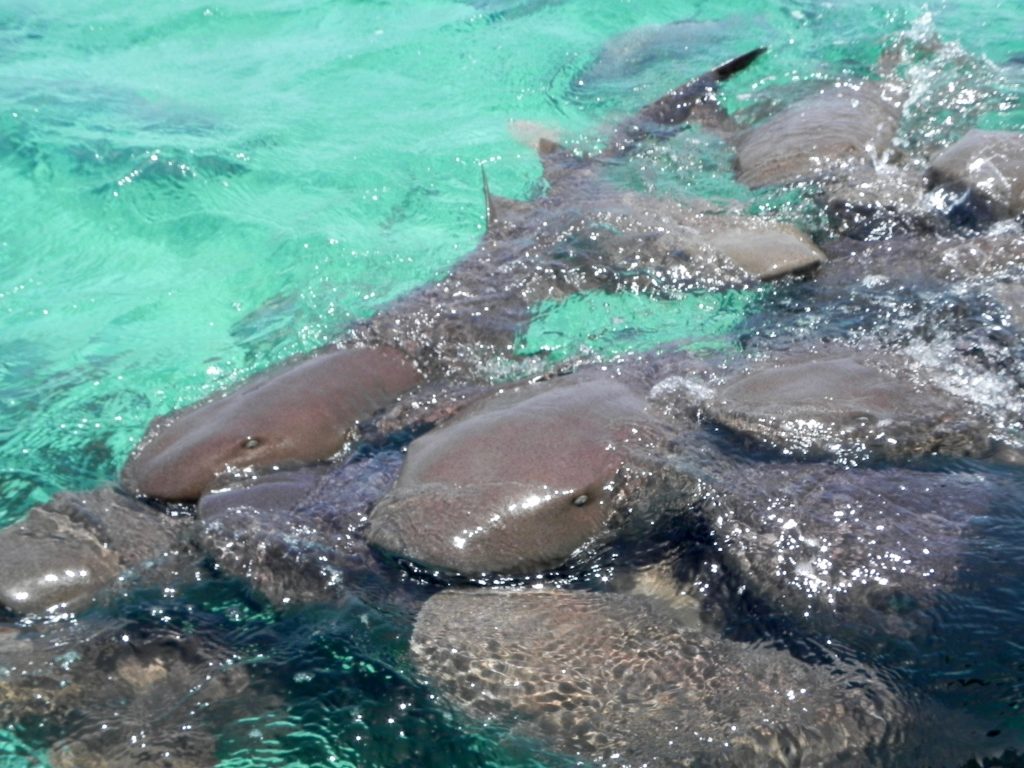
<point>666,116</point>
<point>730,68</point>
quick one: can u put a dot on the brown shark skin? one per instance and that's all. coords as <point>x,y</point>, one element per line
<point>298,537</point>
<point>518,482</point>
<point>987,166</point>
<point>66,551</point>
<point>302,414</point>
<point>843,127</point>
<point>619,679</point>
<point>103,683</point>
<point>530,478</point>
<point>848,406</point>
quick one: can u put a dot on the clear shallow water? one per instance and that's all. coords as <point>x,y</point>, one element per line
<point>195,191</point>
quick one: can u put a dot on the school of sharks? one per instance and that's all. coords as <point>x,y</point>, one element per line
<point>668,558</point>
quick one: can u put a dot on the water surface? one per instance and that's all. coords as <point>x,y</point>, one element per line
<point>195,191</point>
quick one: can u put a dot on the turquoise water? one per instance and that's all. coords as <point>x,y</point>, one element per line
<point>195,191</point>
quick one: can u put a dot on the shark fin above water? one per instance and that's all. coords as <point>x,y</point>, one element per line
<point>694,100</point>
<point>666,116</point>
<point>499,208</point>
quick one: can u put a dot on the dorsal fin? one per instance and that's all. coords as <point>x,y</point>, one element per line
<point>667,115</point>
<point>498,207</point>
<point>488,200</point>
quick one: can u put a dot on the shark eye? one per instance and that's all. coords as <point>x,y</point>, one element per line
<point>580,500</point>
<point>251,442</point>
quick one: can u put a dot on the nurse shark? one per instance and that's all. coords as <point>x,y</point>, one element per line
<point>580,234</point>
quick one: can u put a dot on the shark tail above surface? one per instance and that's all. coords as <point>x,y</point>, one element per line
<point>693,100</point>
<point>731,67</point>
<point>667,115</point>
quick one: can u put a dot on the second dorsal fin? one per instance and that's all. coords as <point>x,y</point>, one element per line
<point>546,147</point>
<point>555,159</point>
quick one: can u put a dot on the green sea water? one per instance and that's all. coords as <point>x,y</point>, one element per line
<point>193,191</point>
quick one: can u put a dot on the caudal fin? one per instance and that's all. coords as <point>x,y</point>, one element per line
<point>667,115</point>
<point>730,68</point>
